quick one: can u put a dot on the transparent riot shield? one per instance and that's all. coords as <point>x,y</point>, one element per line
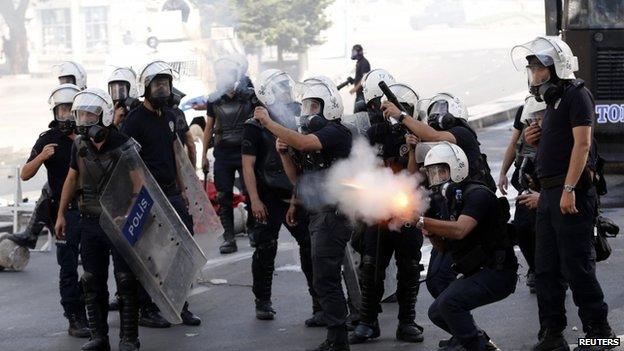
<point>350,266</point>
<point>357,123</point>
<point>205,219</point>
<point>148,233</point>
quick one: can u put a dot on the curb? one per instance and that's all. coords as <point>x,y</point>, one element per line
<point>490,113</point>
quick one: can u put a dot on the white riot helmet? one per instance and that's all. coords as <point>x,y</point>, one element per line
<point>532,110</point>
<point>150,71</point>
<point>321,88</point>
<point>422,149</point>
<point>71,72</point>
<point>446,102</point>
<point>549,50</point>
<point>122,84</point>
<point>62,95</point>
<point>91,106</point>
<point>275,85</point>
<point>405,94</point>
<point>370,83</point>
<point>444,159</point>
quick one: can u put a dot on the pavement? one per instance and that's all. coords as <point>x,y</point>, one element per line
<point>31,317</point>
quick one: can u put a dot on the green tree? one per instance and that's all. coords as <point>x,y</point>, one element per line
<point>16,46</point>
<point>290,25</point>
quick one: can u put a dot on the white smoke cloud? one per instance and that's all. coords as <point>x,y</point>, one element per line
<point>363,189</point>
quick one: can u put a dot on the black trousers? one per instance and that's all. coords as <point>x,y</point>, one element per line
<point>264,237</point>
<point>524,226</point>
<point>439,274</point>
<point>379,244</point>
<point>227,163</point>
<point>451,309</point>
<point>95,249</point>
<point>565,253</point>
<point>330,231</point>
<point>67,252</point>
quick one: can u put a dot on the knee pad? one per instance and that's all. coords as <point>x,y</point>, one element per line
<point>89,282</point>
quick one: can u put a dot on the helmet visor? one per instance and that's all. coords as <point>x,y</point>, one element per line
<point>537,75</point>
<point>118,90</point>
<point>311,107</point>
<point>63,112</point>
<point>439,108</point>
<point>438,174</point>
<point>67,79</point>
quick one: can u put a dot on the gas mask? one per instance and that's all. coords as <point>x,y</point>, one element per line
<point>89,124</point>
<point>159,90</point>
<point>439,117</point>
<point>545,89</point>
<point>118,91</point>
<point>375,115</point>
<point>64,119</point>
<point>67,80</point>
<point>357,52</point>
<point>309,124</point>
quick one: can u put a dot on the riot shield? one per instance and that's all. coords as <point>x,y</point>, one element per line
<point>350,274</point>
<point>205,219</point>
<point>357,123</point>
<point>390,283</point>
<point>148,233</point>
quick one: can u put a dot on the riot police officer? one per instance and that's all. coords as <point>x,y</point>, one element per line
<point>472,228</point>
<point>93,156</point>
<point>53,149</point>
<point>67,72</point>
<point>362,67</point>
<point>525,181</point>
<point>447,120</point>
<point>380,242</point>
<point>322,141</point>
<point>270,192</point>
<point>567,203</point>
<point>153,126</point>
<point>372,93</point>
<point>227,110</point>
<point>122,89</point>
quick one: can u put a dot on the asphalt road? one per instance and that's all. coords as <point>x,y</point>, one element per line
<point>31,317</point>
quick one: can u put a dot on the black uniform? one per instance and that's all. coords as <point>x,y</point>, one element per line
<point>156,135</point>
<point>330,230</point>
<point>57,167</point>
<point>275,190</point>
<point>362,66</point>
<point>94,168</point>
<point>380,242</point>
<point>564,250</point>
<point>485,258</point>
<point>230,115</point>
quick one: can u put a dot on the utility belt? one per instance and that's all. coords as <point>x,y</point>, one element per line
<point>90,215</point>
<point>586,180</point>
<point>477,258</point>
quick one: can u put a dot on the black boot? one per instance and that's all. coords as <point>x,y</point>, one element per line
<point>317,315</point>
<point>78,327</point>
<point>39,219</point>
<point>364,332</point>
<point>127,286</point>
<point>264,310</point>
<point>97,315</point>
<point>372,290</point>
<point>601,331</point>
<point>409,332</point>
<point>188,318</point>
<point>407,293</point>
<point>229,246</point>
<point>150,317</point>
<point>226,215</point>
<point>551,340</point>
